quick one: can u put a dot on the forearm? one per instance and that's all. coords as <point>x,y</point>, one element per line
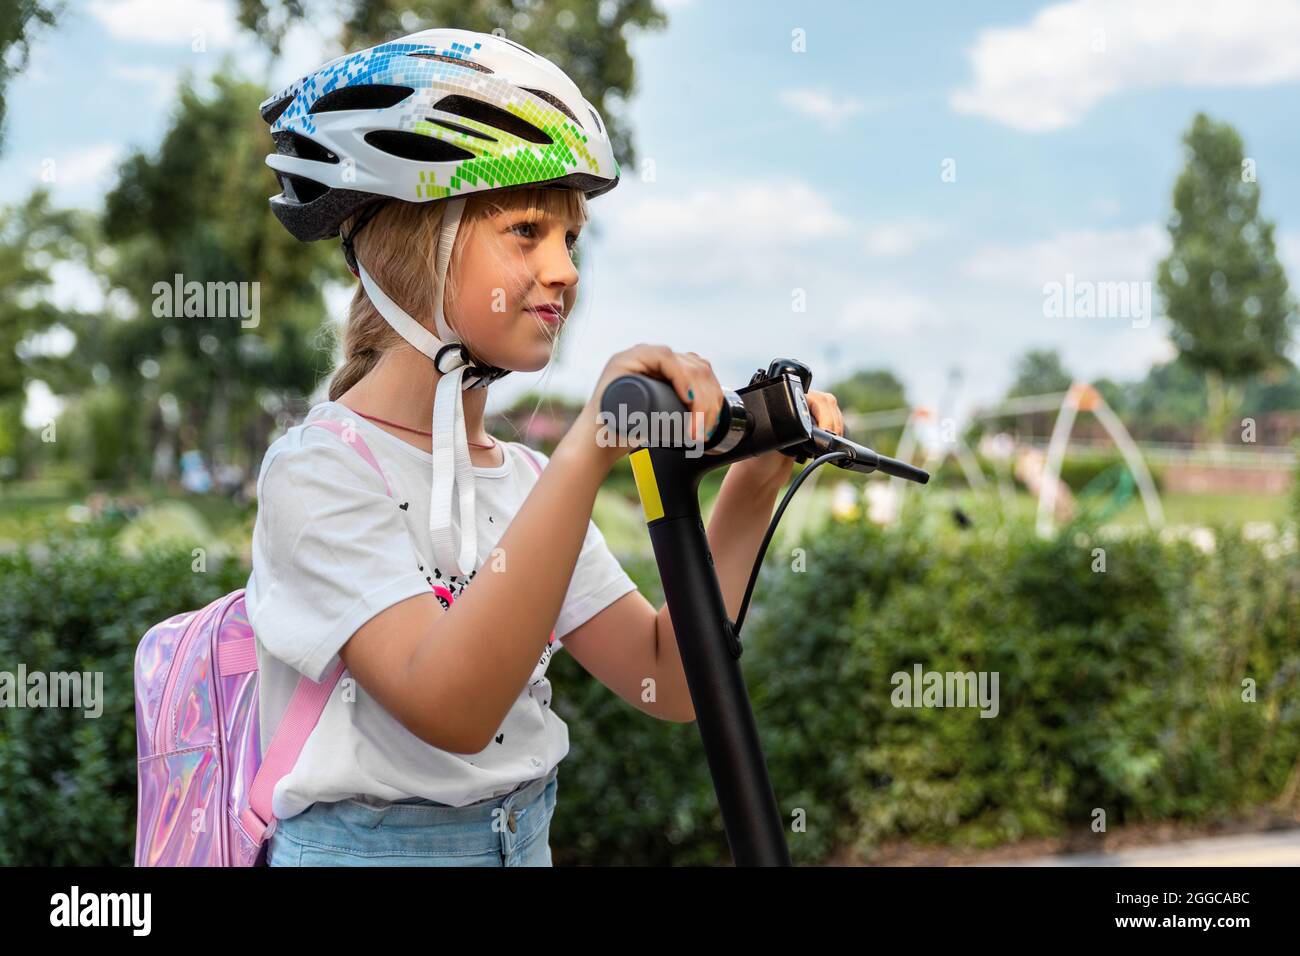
<point>741,514</point>
<point>485,647</point>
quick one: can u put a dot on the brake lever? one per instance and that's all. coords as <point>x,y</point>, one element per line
<point>857,458</point>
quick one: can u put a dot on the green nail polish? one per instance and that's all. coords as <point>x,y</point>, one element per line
<point>690,394</point>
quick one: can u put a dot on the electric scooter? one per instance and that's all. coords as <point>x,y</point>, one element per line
<point>769,413</point>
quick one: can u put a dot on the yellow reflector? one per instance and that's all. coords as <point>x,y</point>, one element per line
<point>646,486</point>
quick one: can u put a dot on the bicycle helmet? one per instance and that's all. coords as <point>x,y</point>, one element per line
<point>436,115</point>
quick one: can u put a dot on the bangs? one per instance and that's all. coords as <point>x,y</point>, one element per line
<point>566,204</point>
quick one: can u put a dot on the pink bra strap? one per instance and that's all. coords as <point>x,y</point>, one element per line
<point>528,456</point>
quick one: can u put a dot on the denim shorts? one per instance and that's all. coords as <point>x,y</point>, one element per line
<point>511,830</point>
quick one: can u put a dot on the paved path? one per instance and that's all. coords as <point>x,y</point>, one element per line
<point>1256,849</point>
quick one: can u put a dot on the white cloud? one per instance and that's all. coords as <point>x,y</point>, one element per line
<point>166,21</point>
<point>306,46</point>
<point>142,73</point>
<point>1094,254</point>
<point>88,165</point>
<point>820,104</point>
<point>901,238</point>
<point>1048,74</point>
<point>887,312</point>
<point>754,230</point>
<point>160,81</point>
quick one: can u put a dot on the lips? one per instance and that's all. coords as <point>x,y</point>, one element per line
<point>549,313</point>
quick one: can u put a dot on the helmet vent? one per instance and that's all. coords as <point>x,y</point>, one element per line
<point>462,129</point>
<point>458,60</point>
<point>292,144</point>
<point>300,190</point>
<point>272,111</point>
<point>416,146</point>
<point>492,116</point>
<point>599,128</point>
<point>556,102</point>
<point>373,96</point>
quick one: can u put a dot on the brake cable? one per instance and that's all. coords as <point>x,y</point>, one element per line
<point>771,530</point>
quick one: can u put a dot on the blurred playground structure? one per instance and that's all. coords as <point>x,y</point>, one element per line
<point>1021,464</point>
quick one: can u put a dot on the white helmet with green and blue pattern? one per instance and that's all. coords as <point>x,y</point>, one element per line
<point>433,115</point>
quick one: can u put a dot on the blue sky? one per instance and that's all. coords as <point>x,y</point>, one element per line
<point>765,169</point>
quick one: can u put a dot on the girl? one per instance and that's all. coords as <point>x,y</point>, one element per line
<point>456,167</point>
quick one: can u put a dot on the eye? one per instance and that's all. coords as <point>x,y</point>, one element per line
<point>528,224</point>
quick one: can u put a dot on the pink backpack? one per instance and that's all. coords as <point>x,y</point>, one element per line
<point>204,791</point>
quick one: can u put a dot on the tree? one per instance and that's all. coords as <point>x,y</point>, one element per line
<point>1039,372</point>
<point>585,38</point>
<point>197,207</point>
<point>1224,291</point>
<point>34,237</point>
<point>870,390</point>
<point>19,21</point>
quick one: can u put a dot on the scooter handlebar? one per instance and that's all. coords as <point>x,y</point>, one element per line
<point>645,395</point>
<point>866,460</point>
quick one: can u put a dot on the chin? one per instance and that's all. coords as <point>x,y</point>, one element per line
<point>526,360</point>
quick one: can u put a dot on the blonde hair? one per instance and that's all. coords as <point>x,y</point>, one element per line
<point>397,248</point>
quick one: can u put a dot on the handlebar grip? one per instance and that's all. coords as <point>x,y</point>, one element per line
<point>638,394</point>
<point>901,469</point>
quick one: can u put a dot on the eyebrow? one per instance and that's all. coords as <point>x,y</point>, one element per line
<point>541,213</point>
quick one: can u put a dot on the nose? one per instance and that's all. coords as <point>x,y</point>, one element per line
<point>555,268</point>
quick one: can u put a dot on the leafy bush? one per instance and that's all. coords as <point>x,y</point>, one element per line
<point>67,781</point>
<point>1119,689</point>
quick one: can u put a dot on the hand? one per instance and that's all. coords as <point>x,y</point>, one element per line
<point>690,376</point>
<point>772,468</point>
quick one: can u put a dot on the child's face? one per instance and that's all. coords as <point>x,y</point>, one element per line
<point>514,260</point>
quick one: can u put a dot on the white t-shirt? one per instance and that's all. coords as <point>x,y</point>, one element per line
<point>331,550</point>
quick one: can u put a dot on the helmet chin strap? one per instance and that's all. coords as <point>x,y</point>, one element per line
<point>453,474</point>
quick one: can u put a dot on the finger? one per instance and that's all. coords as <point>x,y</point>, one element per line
<point>705,395</point>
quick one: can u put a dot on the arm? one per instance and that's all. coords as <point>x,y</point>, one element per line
<point>451,677</point>
<point>630,640</point>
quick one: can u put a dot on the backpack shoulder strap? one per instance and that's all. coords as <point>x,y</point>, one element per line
<point>300,718</point>
<point>309,698</point>
<point>358,444</point>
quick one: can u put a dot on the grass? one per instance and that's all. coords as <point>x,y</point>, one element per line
<point>28,510</point>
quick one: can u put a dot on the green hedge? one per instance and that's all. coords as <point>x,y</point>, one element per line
<point>67,781</point>
<point>1118,690</point>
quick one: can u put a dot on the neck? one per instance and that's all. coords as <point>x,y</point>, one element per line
<point>401,388</point>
